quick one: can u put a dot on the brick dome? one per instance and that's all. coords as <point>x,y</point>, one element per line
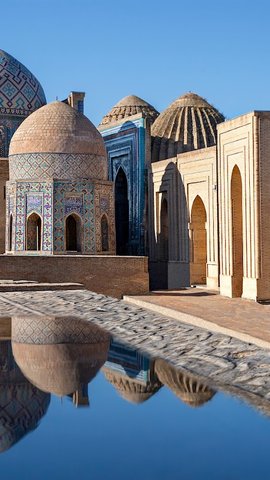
<point>189,123</point>
<point>128,106</point>
<point>130,389</point>
<point>57,141</point>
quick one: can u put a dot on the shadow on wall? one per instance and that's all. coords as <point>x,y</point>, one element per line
<point>168,231</point>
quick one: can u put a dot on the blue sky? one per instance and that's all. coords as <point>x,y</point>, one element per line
<point>155,49</point>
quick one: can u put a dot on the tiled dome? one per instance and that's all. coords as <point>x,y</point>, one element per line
<point>57,141</point>
<point>189,123</point>
<point>20,91</point>
<point>128,106</point>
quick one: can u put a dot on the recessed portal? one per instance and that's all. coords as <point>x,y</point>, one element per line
<point>33,232</point>
<point>198,243</point>
<point>73,233</point>
<point>237,233</point>
<point>121,213</point>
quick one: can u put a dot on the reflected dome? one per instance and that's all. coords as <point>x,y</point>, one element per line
<point>185,386</point>
<point>129,389</point>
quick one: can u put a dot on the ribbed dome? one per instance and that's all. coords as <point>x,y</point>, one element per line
<point>20,92</point>
<point>128,106</point>
<point>57,141</point>
<point>129,389</point>
<point>189,123</point>
<point>186,387</point>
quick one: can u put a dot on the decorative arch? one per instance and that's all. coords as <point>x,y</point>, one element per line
<point>121,212</point>
<point>237,232</point>
<point>73,233</point>
<point>198,242</point>
<point>33,232</point>
<point>104,227</point>
<point>164,230</point>
<point>10,232</point>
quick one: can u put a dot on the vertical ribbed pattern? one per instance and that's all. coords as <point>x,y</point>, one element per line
<point>187,124</point>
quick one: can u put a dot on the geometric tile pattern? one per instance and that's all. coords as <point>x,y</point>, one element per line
<point>20,91</point>
<point>125,146</point>
<point>104,206</point>
<point>66,190</point>
<point>39,193</point>
<point>49,330</point>
<point>8,125</point>
<point>56,165</point>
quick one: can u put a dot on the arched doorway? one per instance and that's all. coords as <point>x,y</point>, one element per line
<point>33,232</point>
<point>73,233</point>
<point>164,253</point>
<point>237,232</point>
<point>10,232</point>
<point>121,213</point>
<point>104,234</point>
<point>198,243</point>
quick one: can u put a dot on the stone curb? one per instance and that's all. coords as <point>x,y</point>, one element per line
<point>196,321</point>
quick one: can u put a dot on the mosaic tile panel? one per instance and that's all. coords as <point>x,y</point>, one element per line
<point>125,146</point>
<point>20,91</point>
<point>57,165</point>
<point>8,125</point>
<point>33,189</point>
<point>104,204</point>
<point>63,190</point>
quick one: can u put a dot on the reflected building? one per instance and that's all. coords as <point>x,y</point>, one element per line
<point>60,355</point>
<point>185,386</point>
<point>22,405</point>
<point>131,373</point>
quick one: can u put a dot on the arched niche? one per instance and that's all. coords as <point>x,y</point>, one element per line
<point>104,226</point>
<point>198,242</point>
<point>237,232</point>
<point>33,232</point>
<point>73,233</point>
<point>121,212</point>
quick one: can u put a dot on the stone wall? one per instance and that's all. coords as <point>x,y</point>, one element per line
<point>110,275</point>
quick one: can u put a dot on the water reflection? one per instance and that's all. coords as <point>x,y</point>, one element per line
<point>60,355</point>
<point>22,405</point>
<point>131,373</point>
<point>185,386</point>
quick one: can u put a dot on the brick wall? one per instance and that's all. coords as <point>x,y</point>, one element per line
<point>110,275</point>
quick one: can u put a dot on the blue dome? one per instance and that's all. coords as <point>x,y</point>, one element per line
<point>20,91</point>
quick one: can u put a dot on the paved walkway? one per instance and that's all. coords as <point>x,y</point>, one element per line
<point>220,361</point>
<point>243,319</point>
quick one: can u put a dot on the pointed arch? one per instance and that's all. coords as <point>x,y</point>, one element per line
<point>237,232</point>
<point>121,212</point>
<point>104,227</point>
<point>33,232</point>
<point>73,233</point>
<point>198,242</point>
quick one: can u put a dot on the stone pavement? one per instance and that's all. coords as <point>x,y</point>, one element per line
<point>222,361</point>
<point>243,319</point>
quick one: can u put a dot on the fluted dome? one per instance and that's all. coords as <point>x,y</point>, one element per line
<point>57,141</point>
<point>20,91</point>
<point>184,386</point>
<point>128,106</point>
<point>189,123</point>
<point>129,389</point>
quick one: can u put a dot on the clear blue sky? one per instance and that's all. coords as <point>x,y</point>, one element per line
<point>155,49</point>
